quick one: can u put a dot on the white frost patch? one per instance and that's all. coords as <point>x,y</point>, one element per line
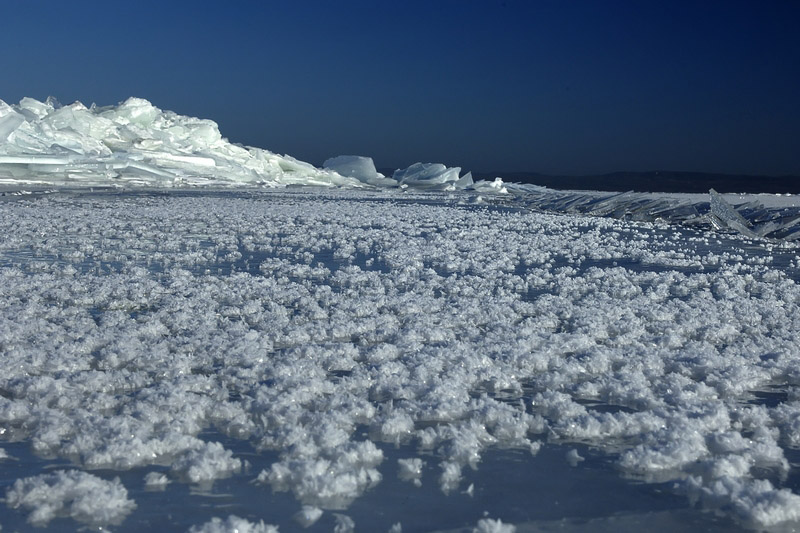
<point>450,477</point>
<point>70,493</point>
<point>233,524</point>
<point>410,470</point>
<point>156,481</point>
<point>209,462</point>
<point>756,502</point>
<point>397,427</point>
<point>328,483</point>
<point>308,515</point>
<point>573,458</point>
<point>488,525</point>
<point>344,524</point>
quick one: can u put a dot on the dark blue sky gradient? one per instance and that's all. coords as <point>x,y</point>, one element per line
<point>570,87</point>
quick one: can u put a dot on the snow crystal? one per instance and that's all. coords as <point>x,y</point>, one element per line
<point>207,463</point>
<point>233,524</point>
<point>308,515</point>
<point>156,480</point>
<point>344,524</point>
<point>488,525</point>
<point>450,477</point>
<point>410,470</point>
<point>81,496</point>
<point>573,458</point>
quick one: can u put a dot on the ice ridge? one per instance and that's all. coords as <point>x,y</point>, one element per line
<point>135,143</point>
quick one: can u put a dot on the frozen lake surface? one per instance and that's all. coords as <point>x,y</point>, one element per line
<point>388,360</point>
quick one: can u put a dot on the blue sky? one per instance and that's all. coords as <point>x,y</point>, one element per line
<point>569,87</point>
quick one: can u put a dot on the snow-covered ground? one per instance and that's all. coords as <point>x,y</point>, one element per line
<point>330,357</point>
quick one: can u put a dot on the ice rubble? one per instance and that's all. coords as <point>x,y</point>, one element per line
<point>319,330</point>
<point>751,218</point>
<point>135,143</point>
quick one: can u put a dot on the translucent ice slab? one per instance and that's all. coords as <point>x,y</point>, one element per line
<point>752,218</point>
<point>133,143</point>
<point>359,167</point>
<point>136,143</point>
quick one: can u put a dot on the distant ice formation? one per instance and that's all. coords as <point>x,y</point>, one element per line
<point>752,217</point>
<point>134,143</point>
<point>358,167</point>
<point>137,144</point>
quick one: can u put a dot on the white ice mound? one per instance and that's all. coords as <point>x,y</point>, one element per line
<point>135,143</point>
<point>358,167</point>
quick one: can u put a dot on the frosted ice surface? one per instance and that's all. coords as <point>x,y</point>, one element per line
<point>322,334</point>
<point>345,341</point>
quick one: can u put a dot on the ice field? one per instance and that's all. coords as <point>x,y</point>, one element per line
<point>192,341</point>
